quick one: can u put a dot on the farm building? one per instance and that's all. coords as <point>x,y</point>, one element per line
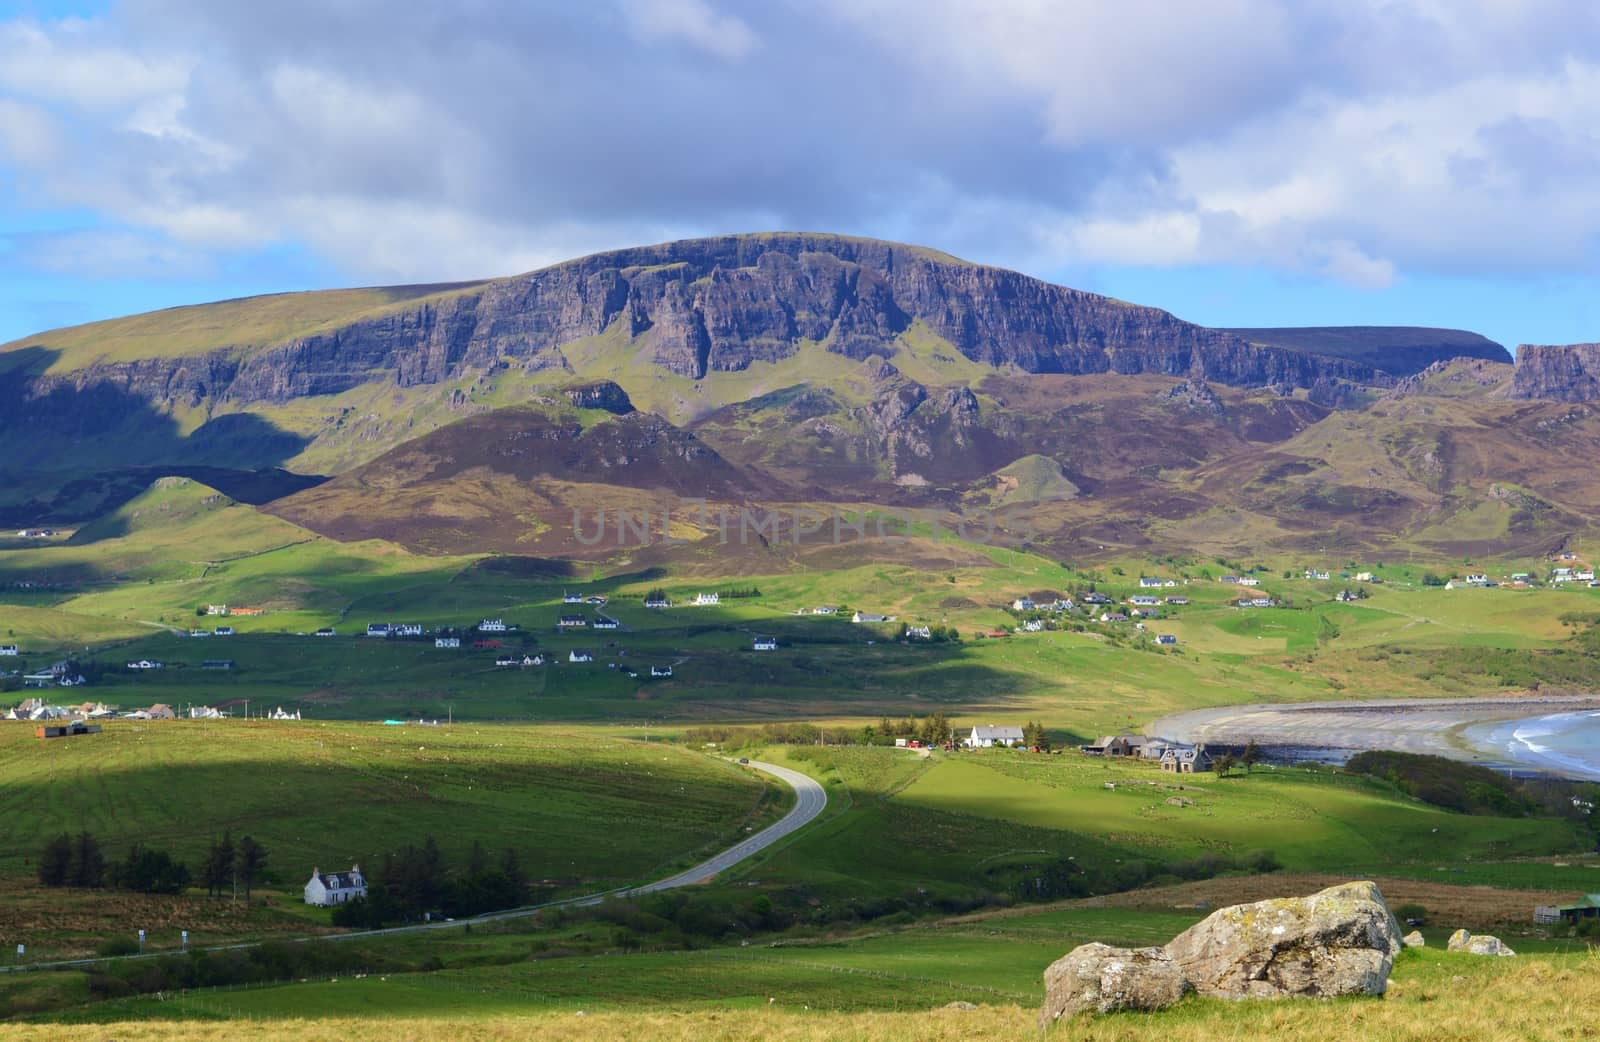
<point>161,711</point>
<point>378,629</point>
<point>447,642</point>
<point>492,626</point>
<point>766,644</point>
<point>72,730</point>
<point>706,599</point>
<point>577,655</point>
<point>1186,759</point>
<point>661,671</point>
<point>335,888</point>
<point>867,616</point>
<point>9,650</point>
<point>571,622</point>
<point>1117,745</point>
<point>986,737</point>
<point>603,623</point>
<point>1588,908</point>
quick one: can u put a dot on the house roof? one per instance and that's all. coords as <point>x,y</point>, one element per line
<point>341,880</point>
<point>1009,733</point>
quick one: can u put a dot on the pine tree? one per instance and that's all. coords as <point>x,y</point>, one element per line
<point>55,861</point>
<point>88,867</point>
<point>251,862</point>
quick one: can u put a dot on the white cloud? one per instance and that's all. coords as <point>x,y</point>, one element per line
<point>695,23</point>
<point>1354,140</point>
<point>28,136</point>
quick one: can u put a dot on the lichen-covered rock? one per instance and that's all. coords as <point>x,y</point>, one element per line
<point>1414,939</point>
<point>1478,944</point>
<point>1101,979</point>
<point>1341,941</point>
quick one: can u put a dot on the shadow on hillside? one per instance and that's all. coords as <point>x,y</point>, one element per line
<point>76,446</point>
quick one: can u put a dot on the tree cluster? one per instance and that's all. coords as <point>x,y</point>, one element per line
<point>414,882</point>
<point>78,861</point>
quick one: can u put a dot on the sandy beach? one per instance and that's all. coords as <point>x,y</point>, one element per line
<point>1332,732</point>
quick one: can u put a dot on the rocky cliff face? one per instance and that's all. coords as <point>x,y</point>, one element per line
<point>709,305</point>
<point>1561,373</point>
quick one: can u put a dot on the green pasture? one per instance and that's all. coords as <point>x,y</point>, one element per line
<point>585,812</point>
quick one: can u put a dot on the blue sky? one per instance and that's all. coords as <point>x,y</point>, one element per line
<point>1252,163</point>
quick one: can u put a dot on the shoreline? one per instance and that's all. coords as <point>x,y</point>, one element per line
<point>1332,732</point>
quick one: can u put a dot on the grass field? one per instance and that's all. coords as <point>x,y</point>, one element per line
<point>884,985</point>
<point>330,795</point>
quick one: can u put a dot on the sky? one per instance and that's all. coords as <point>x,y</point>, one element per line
<point>1237,162</point>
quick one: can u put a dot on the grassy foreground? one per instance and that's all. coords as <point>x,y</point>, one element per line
<point>1433,997</point>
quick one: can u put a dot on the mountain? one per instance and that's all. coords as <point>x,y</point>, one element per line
<point>1397,350</point>
<point>809,371</point>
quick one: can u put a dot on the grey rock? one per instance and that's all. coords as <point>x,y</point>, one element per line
<point>1414,939</point>
<point>1340,941</point>
<point>1098,978</point>
<point>1477,944</point>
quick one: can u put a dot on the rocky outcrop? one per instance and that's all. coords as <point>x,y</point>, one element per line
<point>1558,373</point>
<point>1477,944</point>
<point>603,394</point>
<point>1341,941</point>
<point>708,305</point>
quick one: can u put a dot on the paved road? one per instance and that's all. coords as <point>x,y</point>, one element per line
<point>810,800</point>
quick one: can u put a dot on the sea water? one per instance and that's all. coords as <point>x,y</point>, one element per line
<point>1567,744</point>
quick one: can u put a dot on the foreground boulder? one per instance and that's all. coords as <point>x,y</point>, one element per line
<point>1478,944</point>
<point>1341,941</point>
<point>1101,979</point>
<point>1414,939</point>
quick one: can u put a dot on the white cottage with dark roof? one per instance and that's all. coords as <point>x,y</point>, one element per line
<point>327,889</point>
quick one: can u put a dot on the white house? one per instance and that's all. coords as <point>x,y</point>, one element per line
<point>279,714</point>
<point>406,629</point>
<point>1177,600</point>
<point>661,671</point>
<point>447,642</point>
<point>1144,600</point>
<point>326,631</point>
<point>579,656</point>
<point>492,626</point>
<point>766,644</point>
<point>985,737</point>
<point>603,623</point>
<point>1033,626</point>
<point>204,713</point>
<point>1022,604</point>
<point>223,631</point>
<point>705,599</point>
<point>1148,582</point>
<point>199,633</point>
<point>144,663</point>
<point>377,629</point>
<point>9,650</point>
<point>1585,576</point>
<point>657,600</point>
<point>571,622</point>
<point>571,598</point>
<point>327,889</point>
<point>1166,638</point>
<point>1365,577</point>
<point>216,609</point>
<point>919,633</point>
<point>1249,580</point>
<point>867,616</point>
<point>1261,602</point>
<point>825,609</point>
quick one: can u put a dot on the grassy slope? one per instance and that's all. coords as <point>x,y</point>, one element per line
<point>877,989</point>
<point>243,324</point>
<point>331,794</point>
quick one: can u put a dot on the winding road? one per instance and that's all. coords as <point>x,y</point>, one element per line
<point>810,800</point>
